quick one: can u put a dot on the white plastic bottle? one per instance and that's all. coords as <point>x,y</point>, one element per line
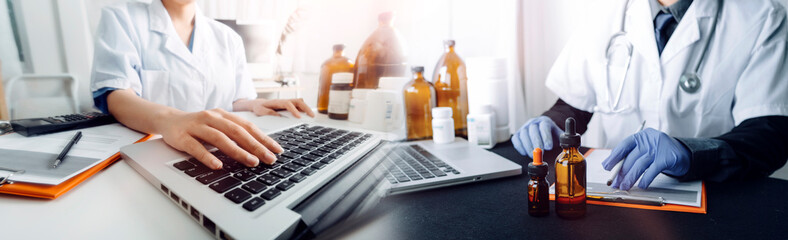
<point>488,86</point>
<point>481,126</point>
<point>358,104</point>
<point>442,125</point>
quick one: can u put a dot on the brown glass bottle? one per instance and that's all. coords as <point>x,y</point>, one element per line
<point>337,63</point>
<point>570,175</point>
<point>419,96</point>
<point>538,196</point>
<point>381,55</point>
<point>451,86</point>
<point>338,106</point>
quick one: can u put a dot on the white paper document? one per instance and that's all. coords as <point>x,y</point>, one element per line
<point>670,189</point>
<point>35,155</point>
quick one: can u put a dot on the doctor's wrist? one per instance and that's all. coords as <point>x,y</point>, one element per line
<point>163,119</point>
<point>703,152</point>
<point>561,110</point>
<point>243,105</point>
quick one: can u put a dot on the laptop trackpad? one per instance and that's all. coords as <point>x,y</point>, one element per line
<point>454,151</point>
<point>455,155</point>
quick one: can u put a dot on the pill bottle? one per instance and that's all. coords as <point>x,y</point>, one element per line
<point>358,105</point>
<point>337,63</point>
<point>384,111</point>
<point>481,126</point>
<point>339,95</point>
<point>442,125</point>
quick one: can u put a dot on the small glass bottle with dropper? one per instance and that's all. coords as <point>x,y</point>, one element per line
<point>538,196</point>
<point>570,175</point>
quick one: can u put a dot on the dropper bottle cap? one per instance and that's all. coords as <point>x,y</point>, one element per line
<point>570,138</point>
<point>537,168</point>
<point>537,156</point>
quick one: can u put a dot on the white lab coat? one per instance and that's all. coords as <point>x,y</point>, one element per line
<point>744,74</point>
<point>137,47</point>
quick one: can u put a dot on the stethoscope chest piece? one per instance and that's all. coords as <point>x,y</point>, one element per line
<point>689,82</point>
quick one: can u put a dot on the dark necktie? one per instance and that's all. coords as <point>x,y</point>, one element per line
<point>664,25</point>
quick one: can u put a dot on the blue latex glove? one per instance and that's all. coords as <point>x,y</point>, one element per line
<point>648,153</point>
<point>540,132</point>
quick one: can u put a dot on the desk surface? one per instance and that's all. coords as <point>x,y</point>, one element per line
<point>119,204</point>
<point>496,209</point>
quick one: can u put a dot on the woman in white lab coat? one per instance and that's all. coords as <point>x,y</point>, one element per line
<point>730,124</point>
<point>165,68</point>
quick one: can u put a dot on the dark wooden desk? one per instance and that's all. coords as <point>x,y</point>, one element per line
<point>496,209</point>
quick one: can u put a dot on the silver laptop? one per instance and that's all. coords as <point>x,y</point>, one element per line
<point>280,201</point>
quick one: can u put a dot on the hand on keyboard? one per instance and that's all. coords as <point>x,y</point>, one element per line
<point>308,150</point>
<point>231,134</point>
<point>262,107</point>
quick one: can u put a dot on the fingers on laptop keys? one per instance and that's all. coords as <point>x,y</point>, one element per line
<point>269,143</point>
<point>294,106</point>
<point>193,147</point>
<point>229,138</point>
<point>302,106</point>
<point>239,144</point>
<point>236,137</point>
<point>254,140</point>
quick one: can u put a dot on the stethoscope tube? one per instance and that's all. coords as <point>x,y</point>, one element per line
<point>688,82</point>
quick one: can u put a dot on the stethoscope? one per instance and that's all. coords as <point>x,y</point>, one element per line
<point>689,82</point>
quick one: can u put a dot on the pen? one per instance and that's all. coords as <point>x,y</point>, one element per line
<point>617,168</point>
<point>657,201</point>
<point>65,150</point>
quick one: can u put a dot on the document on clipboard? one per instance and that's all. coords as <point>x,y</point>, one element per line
<point>30,158</point>
<point>664,193</point>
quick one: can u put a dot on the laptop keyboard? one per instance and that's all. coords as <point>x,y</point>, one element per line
<point>412,163</point>
<point>307,151</point>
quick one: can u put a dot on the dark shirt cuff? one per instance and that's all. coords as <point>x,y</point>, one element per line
<point>562,110</point>
<point>706,154</point>
<point>100,99</point>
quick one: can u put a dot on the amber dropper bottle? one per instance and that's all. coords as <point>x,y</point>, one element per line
<point>538,196</point>
<point>570,175</point>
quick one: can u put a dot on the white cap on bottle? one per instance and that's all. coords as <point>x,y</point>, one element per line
<point>482,109</point>
<point>360,93</point>
<point>441,112</point>
<point>342,78</point>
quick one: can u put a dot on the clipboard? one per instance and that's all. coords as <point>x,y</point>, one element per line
<point>665,207</point>
<point>53,191</point>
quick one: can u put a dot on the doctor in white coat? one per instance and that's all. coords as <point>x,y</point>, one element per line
<point>633,61</point>
<point>165,68</point>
